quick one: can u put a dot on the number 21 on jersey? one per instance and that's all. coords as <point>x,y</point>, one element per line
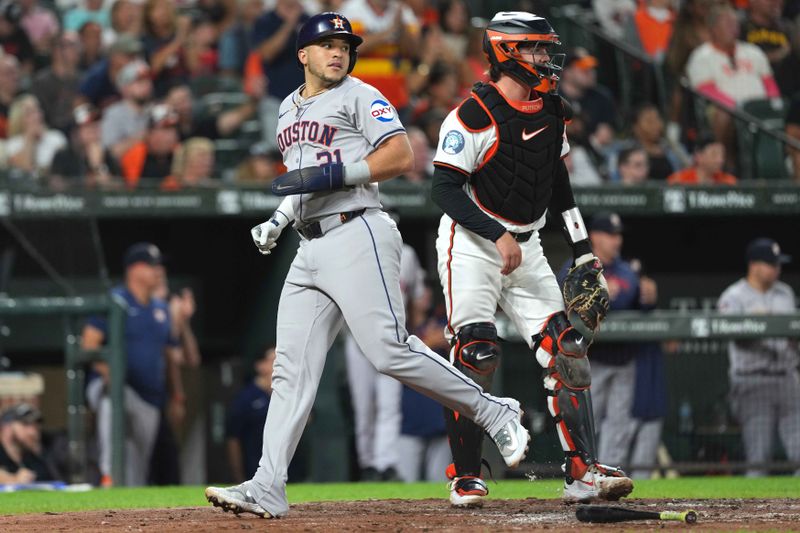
<point>327,158</point>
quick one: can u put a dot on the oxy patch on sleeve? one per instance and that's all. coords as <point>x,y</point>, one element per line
<point>381,111</point>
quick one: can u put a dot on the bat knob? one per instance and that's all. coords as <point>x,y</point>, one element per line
<point>691,517</point>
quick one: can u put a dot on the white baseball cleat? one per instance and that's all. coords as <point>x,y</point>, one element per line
<point>512,441</point>
<point>599,483</point>
<point>236,499</point>
<point>468,492</point>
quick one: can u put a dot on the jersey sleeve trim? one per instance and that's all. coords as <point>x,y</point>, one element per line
<point>493,150</point>
<point>387,135</point>
<point>453,167</point>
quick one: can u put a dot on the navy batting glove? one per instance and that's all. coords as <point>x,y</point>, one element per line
<point>310,179</point>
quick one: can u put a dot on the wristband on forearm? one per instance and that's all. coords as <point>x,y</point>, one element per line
<point>357,173</point>
<point>576,233</point>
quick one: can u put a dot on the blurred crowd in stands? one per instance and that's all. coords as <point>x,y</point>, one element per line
<point>173,94</point>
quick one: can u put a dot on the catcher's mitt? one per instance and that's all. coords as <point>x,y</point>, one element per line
<point>586,293</point>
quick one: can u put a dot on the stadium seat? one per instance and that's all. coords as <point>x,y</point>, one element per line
<point>219,102</point>
<point>228,153</point>
<point>203,85</point>
<point>250,131</point>
<point>762,156</point>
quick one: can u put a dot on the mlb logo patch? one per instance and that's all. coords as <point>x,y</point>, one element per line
<point>382,111</point>
<point>453,142</point>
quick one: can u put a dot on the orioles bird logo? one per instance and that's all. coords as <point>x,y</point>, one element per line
<point>338,23</point>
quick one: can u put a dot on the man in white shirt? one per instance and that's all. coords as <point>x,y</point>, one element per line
<point>729,72</point>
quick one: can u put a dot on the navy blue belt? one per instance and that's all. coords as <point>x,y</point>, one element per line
<point>315,230</point>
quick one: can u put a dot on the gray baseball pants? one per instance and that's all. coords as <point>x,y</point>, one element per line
<point>612,400</point>
<point>765,405</point>
<point>351,274</point>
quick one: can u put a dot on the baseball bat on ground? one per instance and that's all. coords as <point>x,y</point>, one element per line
<point>606,514</point>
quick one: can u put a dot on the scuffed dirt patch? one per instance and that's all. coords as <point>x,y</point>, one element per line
<point>419,515</point>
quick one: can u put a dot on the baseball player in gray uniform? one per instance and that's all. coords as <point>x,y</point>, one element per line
<point>376,397</point>
<point>339,137</point>
<point>765,387</point>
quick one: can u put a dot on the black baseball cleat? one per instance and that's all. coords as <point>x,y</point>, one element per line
<point>236,499</point>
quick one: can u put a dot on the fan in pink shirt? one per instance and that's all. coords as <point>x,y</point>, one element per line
<point>730,72</point>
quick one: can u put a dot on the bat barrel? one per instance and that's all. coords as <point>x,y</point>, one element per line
<point>690,517</point>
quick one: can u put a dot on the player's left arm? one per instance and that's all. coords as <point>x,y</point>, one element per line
<point>376,120</point>
<point>563,201</point>
<point>585,289</point>
<point>572,224</point>
<point>392,157</point>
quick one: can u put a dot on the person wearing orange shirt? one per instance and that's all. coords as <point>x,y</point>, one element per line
<point>149,161</point>
<point>709,157</point>
<point>651,27</point>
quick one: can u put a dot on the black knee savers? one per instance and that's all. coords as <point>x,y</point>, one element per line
<point>476,352</point>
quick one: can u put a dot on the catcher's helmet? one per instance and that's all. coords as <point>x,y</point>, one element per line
<point>501,41</point>
<point>329,24</point>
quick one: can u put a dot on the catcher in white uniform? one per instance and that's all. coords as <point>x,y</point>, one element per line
<point>499,169</point>
<point>339,137</point>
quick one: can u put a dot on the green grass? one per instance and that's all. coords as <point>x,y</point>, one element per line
<point>122,498</point>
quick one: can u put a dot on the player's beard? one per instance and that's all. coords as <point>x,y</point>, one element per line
<point>326,80</point>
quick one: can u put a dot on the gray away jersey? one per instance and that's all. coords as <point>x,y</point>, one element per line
<point>760,354</point>
<point>342,125</point>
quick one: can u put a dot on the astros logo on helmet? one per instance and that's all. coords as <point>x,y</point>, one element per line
<point>329,25</point>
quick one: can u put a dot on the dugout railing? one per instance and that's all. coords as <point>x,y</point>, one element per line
<point>73,310</point>
<point>624,326</point>
<point>763,144</point>
<point>410,200</point>
<point>760,129</point>
<point>633,72</point>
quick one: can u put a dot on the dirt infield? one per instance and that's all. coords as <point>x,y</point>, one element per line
<point>419,515</point>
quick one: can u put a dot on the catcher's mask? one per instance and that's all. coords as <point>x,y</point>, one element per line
<point>509,34</point>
